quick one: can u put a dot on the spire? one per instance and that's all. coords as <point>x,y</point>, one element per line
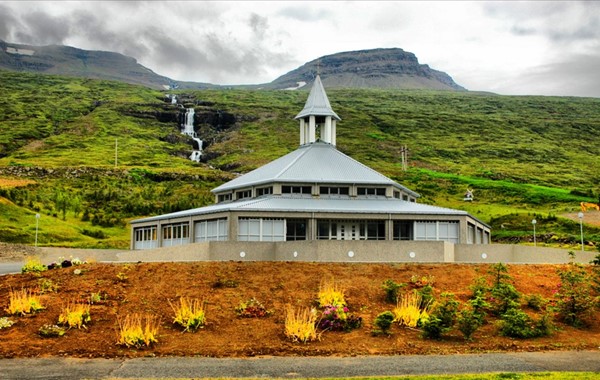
<point>317,112</point>
<point>317,103</point>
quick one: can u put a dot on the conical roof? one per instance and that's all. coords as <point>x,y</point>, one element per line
<point>312,163</point>
<point>317,103</point>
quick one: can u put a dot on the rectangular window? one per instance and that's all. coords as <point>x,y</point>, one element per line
<point>295,229</point>
<point>304,190</point>
<point>470,233</point>
<point>145,238</point>
<point>264,191</point>
<point>376,191</point>
<point>403,229</point>
<point>243,194</point>
<point>224,197</point>
<point>211,230</point>
<point>437,230</point>
<point>261,229</point>
<point>175,234</point>
<point>332,190</point>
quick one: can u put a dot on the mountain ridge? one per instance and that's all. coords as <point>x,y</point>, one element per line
<point>373,68</point>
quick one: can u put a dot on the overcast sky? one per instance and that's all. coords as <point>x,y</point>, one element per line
<point>511,47</point>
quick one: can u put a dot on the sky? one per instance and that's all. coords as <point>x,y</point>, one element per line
<point>505,47</point>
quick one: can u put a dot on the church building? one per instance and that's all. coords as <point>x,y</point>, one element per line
<point>313,193</point>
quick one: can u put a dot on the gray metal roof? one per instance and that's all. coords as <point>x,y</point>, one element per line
<point>317,103</point>
<point>277,203</point>
<point>312,163</point>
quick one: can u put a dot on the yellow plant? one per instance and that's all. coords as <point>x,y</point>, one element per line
<point>136,330</point>
<point>75,315</point>
<point>330,294</point>
<point>23,302</point>
<point>301,326</point>
<point>189,314</point>
<point>33,264</point>
<point>407,311</point>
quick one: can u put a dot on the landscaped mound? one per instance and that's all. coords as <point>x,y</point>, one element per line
<point>242,309</point>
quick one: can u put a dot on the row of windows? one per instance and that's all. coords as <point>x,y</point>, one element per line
<point>307,190</point>
<point>279,229</point>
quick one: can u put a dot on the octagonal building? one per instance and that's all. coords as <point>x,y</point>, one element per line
<point>313,193</point>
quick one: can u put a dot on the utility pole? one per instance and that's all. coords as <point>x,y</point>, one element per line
<point>404,157</point>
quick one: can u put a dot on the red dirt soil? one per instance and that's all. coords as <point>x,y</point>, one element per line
<point>148,288</point>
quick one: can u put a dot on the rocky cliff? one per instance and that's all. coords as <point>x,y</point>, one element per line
<point>376,68</point>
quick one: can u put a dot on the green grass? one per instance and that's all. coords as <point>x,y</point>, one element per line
<point>523,155</point>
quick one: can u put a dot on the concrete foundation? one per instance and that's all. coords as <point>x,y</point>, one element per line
<point>332,251</point>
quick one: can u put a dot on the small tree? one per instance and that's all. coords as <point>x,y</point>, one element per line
<point>573,301</point>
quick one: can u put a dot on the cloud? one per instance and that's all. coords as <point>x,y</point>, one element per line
<point>7,21</point>
<point>560,22</point>
<point>574,75</point>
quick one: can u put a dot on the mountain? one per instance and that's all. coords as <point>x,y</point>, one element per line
<point>375,68</point>
<point>70,61</point>
<point>89,155</point>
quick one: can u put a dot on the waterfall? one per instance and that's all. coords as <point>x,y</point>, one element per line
<point>188,129</point>
<point>173,99</point>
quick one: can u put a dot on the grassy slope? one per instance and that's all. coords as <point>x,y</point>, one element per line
<point>523,156</point>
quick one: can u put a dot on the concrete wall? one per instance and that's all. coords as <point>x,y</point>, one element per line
<point>332,251</point>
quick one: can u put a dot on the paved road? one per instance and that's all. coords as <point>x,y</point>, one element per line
<point>297,367</point>
<point>9,268</point>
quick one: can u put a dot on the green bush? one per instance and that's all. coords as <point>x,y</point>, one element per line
<point>468,322</point>
<point>442,317</point>
<point>517,324</point>
<point>383,322</point>
<point>536,302</point>
<point>391,289</point>
<point>574,303</point>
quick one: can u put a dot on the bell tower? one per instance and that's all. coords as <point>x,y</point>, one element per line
<point>317,115</point>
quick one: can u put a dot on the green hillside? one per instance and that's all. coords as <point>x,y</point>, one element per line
<point>102,153</point>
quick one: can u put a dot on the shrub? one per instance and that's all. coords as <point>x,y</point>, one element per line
<point>433,328</point>
<point>190,315</point>
<point>421,281</point>
<point>338,318</point>
<point>442,317</point>
<point>517,324</point>
<point>536,302</point>
<point>478,305</point>
<point>5,323</point>
<point>468,322</point>
<point>50,331</point>
<point>383,322</point>
<point>408,311</point>
<point>47,285</point>
<point>137,331</point>
<point>301,326</point>
<point>391,289</point>
<point>504,297</point>
<point>479,287</point>
<point>75,315</point>
<point>34,265</point>
<point>23,302</point>
<point>573,301</point>
<point>426,294</point>
<point>251,309</point>
<point>330,294</point>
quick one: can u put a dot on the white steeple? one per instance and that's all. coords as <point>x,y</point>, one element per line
<point>317,112</point>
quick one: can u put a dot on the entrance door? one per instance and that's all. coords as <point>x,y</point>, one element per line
<point>348,231</point>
